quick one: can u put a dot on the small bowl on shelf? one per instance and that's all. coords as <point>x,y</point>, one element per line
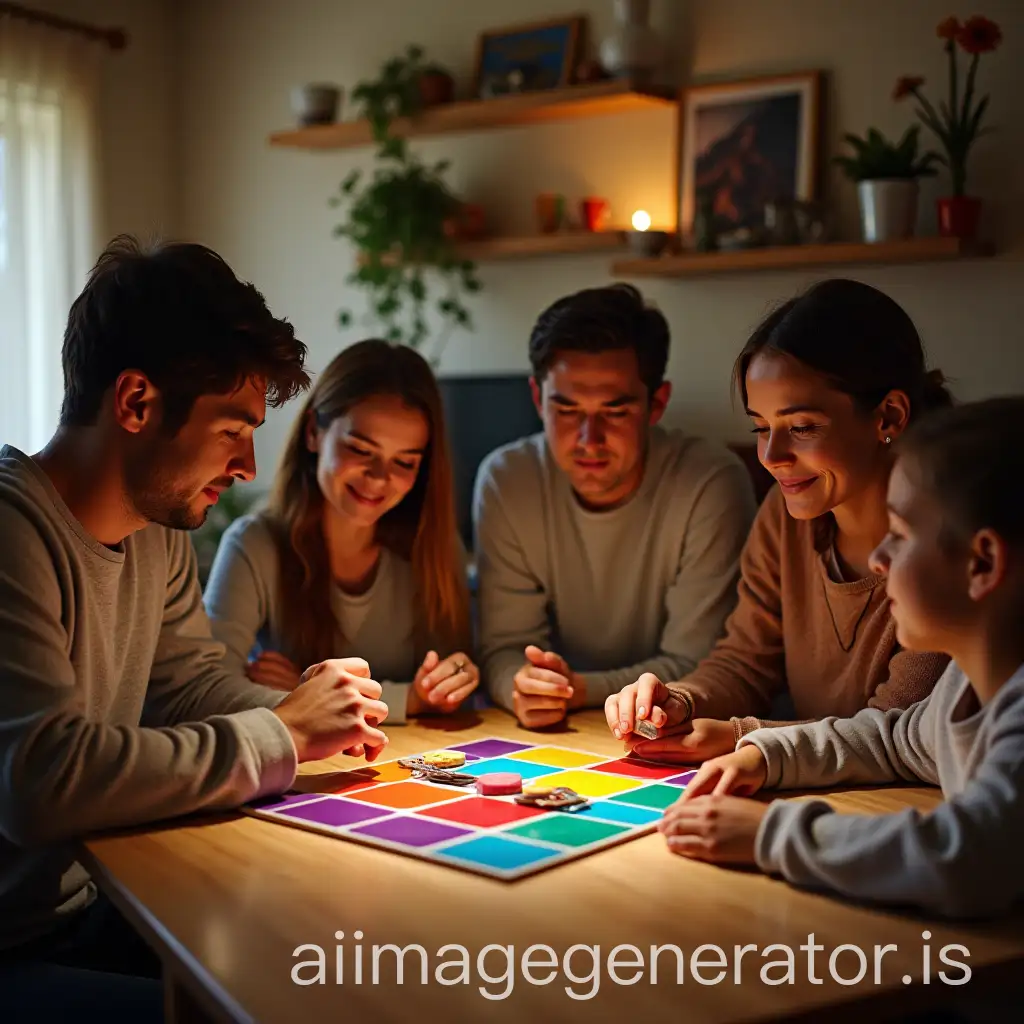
<point>647,244</point>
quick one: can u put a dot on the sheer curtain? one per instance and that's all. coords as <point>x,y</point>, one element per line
<point>48,214</point>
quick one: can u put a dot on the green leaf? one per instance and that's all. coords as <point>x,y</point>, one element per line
<point>344,318</point>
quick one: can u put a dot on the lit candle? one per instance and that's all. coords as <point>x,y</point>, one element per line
<point>641,220</point>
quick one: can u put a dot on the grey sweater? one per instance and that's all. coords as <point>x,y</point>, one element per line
<point>645,587</point>
<point>244,606</point>
<point>960,860</point>
<point>115,708</point>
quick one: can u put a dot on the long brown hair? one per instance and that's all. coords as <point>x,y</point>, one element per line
<point>421,528</point>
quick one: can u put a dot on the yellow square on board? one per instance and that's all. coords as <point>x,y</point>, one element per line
<point>588,783</point>
<point>556,757</point>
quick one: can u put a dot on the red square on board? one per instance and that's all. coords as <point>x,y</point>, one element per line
<point>482,811</point>
<point>637,769</point>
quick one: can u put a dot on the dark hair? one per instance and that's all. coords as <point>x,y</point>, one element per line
<point>177,313</point>
<point>862,341</point>
<point>963,457</point>
<point>603,320</point>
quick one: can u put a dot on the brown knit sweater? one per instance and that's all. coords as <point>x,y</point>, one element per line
<point>832,644</point>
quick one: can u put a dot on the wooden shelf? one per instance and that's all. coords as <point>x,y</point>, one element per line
<point>558,244</point>
<point>577,101</point>
<point>562,243</point>
<point>911,250</point>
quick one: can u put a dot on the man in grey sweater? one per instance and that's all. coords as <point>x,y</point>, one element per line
<point>606,545</point>
<point>115,708</point>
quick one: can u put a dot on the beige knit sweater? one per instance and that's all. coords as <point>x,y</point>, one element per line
<point>833,645</point>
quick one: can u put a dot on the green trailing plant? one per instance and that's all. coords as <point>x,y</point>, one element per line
<point>875,157</point>
<point>402,220</point>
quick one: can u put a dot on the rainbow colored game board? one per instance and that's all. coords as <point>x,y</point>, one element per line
<point>382,805</point>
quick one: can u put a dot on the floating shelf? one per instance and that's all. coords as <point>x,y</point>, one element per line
<point>562,243</point>
<point>573,102</point>
<point>911,250</point>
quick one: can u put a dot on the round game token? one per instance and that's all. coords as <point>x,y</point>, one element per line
<point>445,759</point>
<point>499,784</point>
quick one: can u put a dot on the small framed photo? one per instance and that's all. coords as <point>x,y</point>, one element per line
<point>748,143</point>
<point>527,58</point>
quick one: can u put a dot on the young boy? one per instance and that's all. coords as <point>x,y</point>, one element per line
<point>954,561</point>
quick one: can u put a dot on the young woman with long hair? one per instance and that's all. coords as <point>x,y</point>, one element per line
<point>357,553</point>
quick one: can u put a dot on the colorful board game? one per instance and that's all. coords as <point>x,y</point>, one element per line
<point>385,806</point>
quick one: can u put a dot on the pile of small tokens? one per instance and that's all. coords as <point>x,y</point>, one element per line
<point>438,766</point>
<point>558,798</point>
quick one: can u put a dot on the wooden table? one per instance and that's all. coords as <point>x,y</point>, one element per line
<point>227,900</point>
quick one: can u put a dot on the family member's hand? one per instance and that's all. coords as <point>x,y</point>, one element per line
<point>720,829</point>
<point>741,773</point>
<point>690,743</point>
<point>273,669</point>
<point>337,708</point>
<point>545,689</point>
<point>648,698</point>
<point>442,685</point>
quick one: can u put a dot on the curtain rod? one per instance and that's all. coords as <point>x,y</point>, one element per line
<point>115,38</point>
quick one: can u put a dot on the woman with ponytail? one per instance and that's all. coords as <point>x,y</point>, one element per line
<point>830,380</point>
<point>357,553</point>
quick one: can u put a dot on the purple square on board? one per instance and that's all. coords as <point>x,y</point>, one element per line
<point>492,748</point>
<point>335,812</point>
<point>680,780</point>
<point>412,831</point>
<point>277,802</point>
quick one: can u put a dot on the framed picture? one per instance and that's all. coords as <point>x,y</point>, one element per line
<point>525,58</point>
<point>745,144</point>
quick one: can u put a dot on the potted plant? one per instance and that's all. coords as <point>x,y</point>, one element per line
<point>886,174</point>
<point>404,220</point>
<point>957,121</point>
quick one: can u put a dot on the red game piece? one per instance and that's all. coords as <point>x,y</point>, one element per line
<point>499,784</point>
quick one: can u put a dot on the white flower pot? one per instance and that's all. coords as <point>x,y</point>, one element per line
<point>888,208</point>
<point>633,50</point>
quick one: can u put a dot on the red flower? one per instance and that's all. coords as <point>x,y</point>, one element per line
<point>979,35</point>
<point>948,29</point>
<point>907,85</point>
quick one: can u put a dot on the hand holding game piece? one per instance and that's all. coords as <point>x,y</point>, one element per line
<point>273,669</point>
<point>545,688</point>
<point>720,829</point>
<point>741,773</point>
<point>442,685</point>
<point>336,709</point>
<point>647,699</point>
<point>691,743</point>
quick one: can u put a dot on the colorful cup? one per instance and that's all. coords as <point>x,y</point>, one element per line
<point>594,213</point>
<point>550,207</point>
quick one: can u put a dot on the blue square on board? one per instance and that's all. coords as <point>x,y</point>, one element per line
<point>506,764</point>
<point>624,814</point>
<point>499,853</point>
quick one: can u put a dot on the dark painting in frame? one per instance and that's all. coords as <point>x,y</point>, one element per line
<point>748,143</point>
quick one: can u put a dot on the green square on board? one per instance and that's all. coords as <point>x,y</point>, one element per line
<point>566,829</point>
<point>650,796</point>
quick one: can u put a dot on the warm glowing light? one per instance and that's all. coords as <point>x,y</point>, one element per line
<point>641,220</point>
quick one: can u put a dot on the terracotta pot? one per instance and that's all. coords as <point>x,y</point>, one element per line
<point>468,225</point>
<point>436,88</point>
<point>958,216</point>
<point>594,213</point>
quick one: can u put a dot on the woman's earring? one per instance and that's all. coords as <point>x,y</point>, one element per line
<point>888,440</point>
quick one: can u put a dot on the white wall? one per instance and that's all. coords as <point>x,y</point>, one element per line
<point>139,96</point>
<point>189,106</point>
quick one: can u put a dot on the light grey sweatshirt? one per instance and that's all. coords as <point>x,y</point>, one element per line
<point>115,707</point>
<point>961,860</point>
<point>644,587</point>
<point>244,605</point>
